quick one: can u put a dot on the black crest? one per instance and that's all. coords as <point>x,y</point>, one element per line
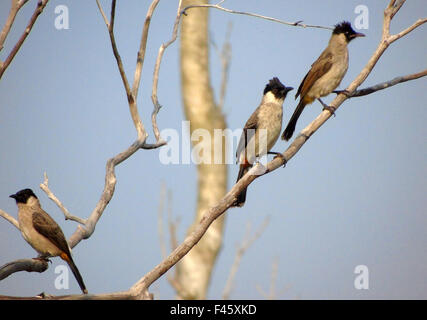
<point>345,28</point>
<point>23,195</point>
<point>277,88</point>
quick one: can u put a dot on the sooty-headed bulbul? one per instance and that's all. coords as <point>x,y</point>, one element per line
<point>261,131</point>
<point>42,232</point>
<point>325,74</point>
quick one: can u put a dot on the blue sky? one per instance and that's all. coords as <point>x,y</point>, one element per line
<point>353,195</point>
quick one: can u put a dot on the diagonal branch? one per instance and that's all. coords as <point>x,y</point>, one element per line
<point>41,4</point>
<point>68,216</point>
<point>9,218</point>
<point>388,84</point>
<point>404,32</point>
<point>16,5</point>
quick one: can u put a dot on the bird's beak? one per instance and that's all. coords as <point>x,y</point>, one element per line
<point>357,35</point>
<point>12,196</point>
<point>287,89</point>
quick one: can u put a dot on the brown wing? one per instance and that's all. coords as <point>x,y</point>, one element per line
<point>318,69</point>
<point>46,226</point>
<point>247,135</point>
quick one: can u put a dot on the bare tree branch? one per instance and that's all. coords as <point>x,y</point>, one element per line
<point>162,49</point>
<point>166,195</point>
<point>172,223</point>
<point>247,241</point>
<point>29,265</point>
<point>217,6</point>
<point>16,5</point>
<point>133,93</point>
<point>225,58</point>
<point>387,84</point>
<point>272,294</point>
<point>68,216</point>
<point>103,14</point>
<point>160,228</point>
<point>9,218</point>
<point>142,49</point>
<point>41,4</point>
<point>404,32</point>
<point>123,295</point>
<point>131,99</point>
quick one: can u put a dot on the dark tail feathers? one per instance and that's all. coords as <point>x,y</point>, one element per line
<point>241,198</point>
<point>290,128</point>
<point>75,271</point>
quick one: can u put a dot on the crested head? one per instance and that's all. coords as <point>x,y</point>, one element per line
<point>277,88</point>
<point>22,196</point>
<point>346,29</point>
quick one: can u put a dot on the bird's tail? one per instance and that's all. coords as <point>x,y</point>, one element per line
<point>75,271</point>
<point>241,198</point>
<point>290,128</point>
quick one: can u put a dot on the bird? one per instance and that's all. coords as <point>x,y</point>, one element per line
<point>42,232</point>
<point>256,142</point>
<point>325,74</point>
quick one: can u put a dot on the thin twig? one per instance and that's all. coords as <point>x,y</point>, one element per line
<point>217,6</point>
<point>247,241</point>
<point>103,14</point>
<point>16,5</point>
<point>404,32</point>
<point>166,195</point>
<point>173,224</point>
<point>160,229</point>
<point>387,84</point>
<point>116,52</point>
<point>9,218</point>
<point>68,216</point>
<point>162,49</point>
<point>273,294</point>
<point>142,135</point>
<point>41,4</point>
<point>225,58</point>
<point>142,49</point>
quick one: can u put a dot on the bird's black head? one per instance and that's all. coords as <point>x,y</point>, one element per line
<point>23,195</point>
<point>345,28</point>
<point>277,88</point>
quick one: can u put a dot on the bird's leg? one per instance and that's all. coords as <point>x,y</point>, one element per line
<point>344,92</point>
<point>331,109</point>
<point>278,155</point>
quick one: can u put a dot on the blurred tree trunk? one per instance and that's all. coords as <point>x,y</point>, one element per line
<point>195,269</point>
